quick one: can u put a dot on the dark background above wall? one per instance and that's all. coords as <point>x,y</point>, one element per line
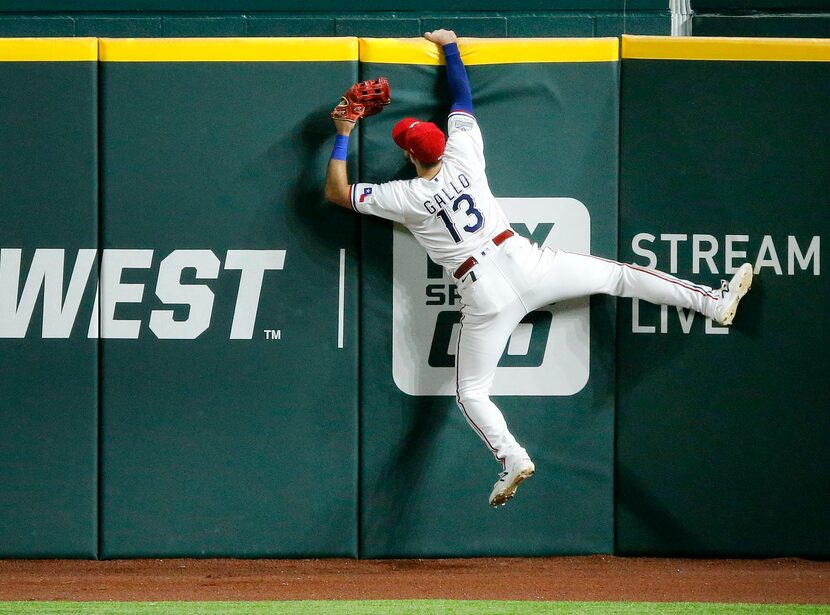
<point>272,6</point>
<point>515,23</point>
<point>394,18</point>
<point>384,18</point>
<point>760,5</point>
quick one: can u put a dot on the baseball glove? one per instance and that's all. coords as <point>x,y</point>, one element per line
<point>362,100</point>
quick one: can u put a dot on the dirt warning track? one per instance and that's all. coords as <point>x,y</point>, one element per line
<point>588,578</point>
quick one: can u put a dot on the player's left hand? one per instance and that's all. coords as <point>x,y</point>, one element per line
<point>343,127</point>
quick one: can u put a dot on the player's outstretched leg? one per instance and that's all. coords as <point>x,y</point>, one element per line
<point>481,340</point>
<point>571,275</point>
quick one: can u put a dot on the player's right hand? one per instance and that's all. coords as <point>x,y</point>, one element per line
<point>441,37</point>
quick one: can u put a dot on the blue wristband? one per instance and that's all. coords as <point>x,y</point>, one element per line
<point>341,147</point>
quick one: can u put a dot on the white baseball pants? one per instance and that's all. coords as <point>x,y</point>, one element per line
<point>519,277</point>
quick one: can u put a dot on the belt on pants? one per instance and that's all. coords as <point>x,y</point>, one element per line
<point>472,262</point>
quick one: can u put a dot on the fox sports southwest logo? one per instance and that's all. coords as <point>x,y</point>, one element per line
<point>548,353</point>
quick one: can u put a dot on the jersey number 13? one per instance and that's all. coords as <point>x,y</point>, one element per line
<point>474,216</point>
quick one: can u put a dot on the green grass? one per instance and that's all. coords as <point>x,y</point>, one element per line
<point>404,607</point>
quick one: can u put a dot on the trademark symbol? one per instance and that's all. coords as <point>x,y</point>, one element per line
<point>273,334</point>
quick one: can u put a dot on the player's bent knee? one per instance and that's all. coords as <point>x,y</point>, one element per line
<point>466,396</point>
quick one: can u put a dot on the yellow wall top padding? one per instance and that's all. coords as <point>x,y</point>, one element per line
<point>726,49</point>
<point>48,49</point>
<point>294,49</point>
<point>491,50</point>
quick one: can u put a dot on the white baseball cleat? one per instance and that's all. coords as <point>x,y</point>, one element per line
<point>731,293</point>
<point>509,480</point>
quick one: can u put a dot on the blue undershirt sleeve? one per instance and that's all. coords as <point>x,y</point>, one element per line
<point>462,97</point>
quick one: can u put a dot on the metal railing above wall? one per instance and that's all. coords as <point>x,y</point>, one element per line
<point>681,17</point>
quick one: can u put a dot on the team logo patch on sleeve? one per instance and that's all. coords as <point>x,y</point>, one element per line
<point>366,192</point>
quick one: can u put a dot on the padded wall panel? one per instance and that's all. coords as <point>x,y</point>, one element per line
<point>243,440</point>
<point>550,130</point>
<point>722,434</point>
<point>48,238</point>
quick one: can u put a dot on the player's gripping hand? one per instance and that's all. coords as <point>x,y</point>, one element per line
<point>441,37</point>
<point>362,100</point>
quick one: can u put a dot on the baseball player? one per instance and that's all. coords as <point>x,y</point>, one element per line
<point>500,275</point>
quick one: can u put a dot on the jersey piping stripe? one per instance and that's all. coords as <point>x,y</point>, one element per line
<point>475,427</point>
<point>725,49</point>
<point>313,49</point>
<point>49,50</point>
<point>461,113</point>
<point>478,51</point>
<point>688,286</point>
<point>353,187</point>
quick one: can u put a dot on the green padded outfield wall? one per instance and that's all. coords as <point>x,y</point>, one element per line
<point>722,434</point>
<point>229,317</point>
<point>48,241</point>
<point>224,329</point>
<point>549,114</point>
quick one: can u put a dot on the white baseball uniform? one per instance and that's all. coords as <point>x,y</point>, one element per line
<point>455,217</point>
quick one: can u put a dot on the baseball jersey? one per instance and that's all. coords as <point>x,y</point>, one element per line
<point>452,215</point>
